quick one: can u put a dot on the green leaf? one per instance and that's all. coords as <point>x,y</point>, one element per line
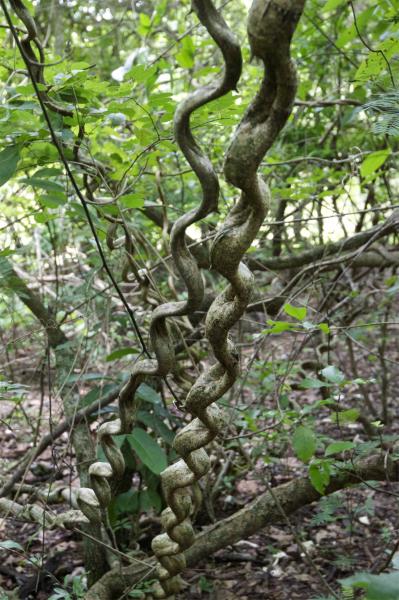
<point>309,383</point>
<point>141,74</point>
<point>157,425</point>
<point>379,587</point>
<point>323,327</point>
<point>297,312</point>
<point>9,158</point>
<point>278,327</point>
<point>86,377</point>
<point>333,374</point>
<point>96,393</point>
<point>331,4</point>
<point>127,503</point>
<point>185,57</point>
<point>373,161</point>
<point>120,353</point>
<point>44,217</point>
<point>44,184</point>
<point>53,199</point>
<point>319,474</point>
<point>6,252</point>
<point>346,416</point>
<point>337,447</point>
<point>145,20</point>
<point>304,443</point>
<point>148,394</point>
<point>11,545</point>
<point>150,499</point>
<point>147,450</point>
<point>132,200</point>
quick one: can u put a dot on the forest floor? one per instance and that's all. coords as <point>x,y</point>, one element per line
<point>353,530</point>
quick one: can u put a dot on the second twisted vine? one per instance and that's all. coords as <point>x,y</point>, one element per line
<point>271,24</point>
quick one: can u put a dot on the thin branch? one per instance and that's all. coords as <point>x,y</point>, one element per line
<point>47,440</point>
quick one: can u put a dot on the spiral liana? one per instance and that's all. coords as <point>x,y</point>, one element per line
<point>271,24</point>
<point>93,500</point>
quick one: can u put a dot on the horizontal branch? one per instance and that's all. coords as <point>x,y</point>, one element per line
<point>281,263</point>
<point>391,225</point>
<point>249,520</point>
<point>327,103</point>
<point>36,514</point>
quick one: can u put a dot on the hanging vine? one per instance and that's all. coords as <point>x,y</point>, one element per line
<point>271,24</point>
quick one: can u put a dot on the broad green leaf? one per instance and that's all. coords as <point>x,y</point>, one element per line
<point>156,424</point>
<point>141,74</point>
<point>373,161</point>
<point>346,416</point>
<point>120,353</point>
<point>319,474</point>
<point>333,374</point>
<point>48,172</point>
<point>44,184</point>
<point>44,217</point>
<point>132,200</point>
<point>127,503</point>
<point>148,394</point>
<point>304,443</point>
<point>8,162</point>
<point>379,587</point>
<point>309,383</point>
<point>6,252</point>
<point>11,545</point>
<point>96,393</point>
<point>331,4</point>
<point>150,499</point>
<point>52,200</point>
<point>337,447</point>
<point>278,327</point>
<point>86,377</point>
<point>148,451</point>
<point>297,312</point>
<point>185,57</point>
<point>145,20</point>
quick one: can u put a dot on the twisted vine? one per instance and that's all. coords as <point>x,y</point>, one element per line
<point>37,64</point>
<point>271,24</point>
<point>93,500</point>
